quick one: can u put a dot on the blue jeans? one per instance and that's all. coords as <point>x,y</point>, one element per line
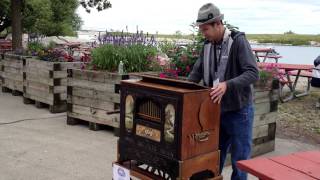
<point>236,136</point>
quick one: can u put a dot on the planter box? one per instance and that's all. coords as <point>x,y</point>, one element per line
<point>12,73</point>
<point>1,58</point>
<point>266,114</point>
<point>46,83</point>
<point>93,96</point>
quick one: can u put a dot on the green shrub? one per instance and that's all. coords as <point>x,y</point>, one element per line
<point>166,46</point>
<point>183,59</point>
<point>136,58</point>
<point>34,48</point>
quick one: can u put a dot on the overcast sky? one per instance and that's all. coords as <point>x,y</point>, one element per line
<point>169,16</point>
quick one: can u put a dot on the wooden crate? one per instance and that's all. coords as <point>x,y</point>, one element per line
<point>1,58</point>
<point>93,96</point>
<point>266,114</point>
<point>12,73</point>
<point>45,83</point>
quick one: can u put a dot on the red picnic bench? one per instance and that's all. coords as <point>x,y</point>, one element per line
<point>303,73</point>
<point>295,166</point>
<point>265,57</point>
<point>288,70</point>
<point>5,45</point>
<point>265,53</point>
<point>70,46</point>
<point>297,70</point>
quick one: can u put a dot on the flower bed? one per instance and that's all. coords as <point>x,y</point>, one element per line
<point>93,90</point>
<point>45,76</point>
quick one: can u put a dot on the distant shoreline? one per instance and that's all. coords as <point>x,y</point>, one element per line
<point>261,39</point>
<point>278,44</point>
<point>286,39</point>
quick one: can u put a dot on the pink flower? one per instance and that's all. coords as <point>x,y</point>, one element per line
<point>162,61</point>
<point>162,75</point>
<point>178,70</point>
<point>187,68</point>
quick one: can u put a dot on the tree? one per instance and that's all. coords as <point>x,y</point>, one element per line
<point>64,20</point>
<point>37,11</point>
<point>98,4</point>
<point>48,17</point>
<point>16,8</point>
<point>37,16</point>
<point>5,20</point>
<point>51,17</point>
<point>289,32</point>
<point>178,34</point>
<point>230,26</point>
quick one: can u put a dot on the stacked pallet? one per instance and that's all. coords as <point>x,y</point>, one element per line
<point>45,83</point>
<point>264,125</point>
<point>1,58</point>
<point>93,96</point>
<point>12,73</point>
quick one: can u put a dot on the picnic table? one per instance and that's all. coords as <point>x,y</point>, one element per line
<point>287,71</point>
<point>262,54</point>
<point>71,46</point>
<point>5,45</point>
<point>295,166</point>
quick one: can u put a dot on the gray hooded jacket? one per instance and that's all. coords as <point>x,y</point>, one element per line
<point>240,72</point>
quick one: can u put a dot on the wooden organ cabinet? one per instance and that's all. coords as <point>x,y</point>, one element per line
<point>169,129</point>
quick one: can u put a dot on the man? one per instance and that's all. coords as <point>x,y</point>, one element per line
<point>227,64</point>
<point>315,80</point>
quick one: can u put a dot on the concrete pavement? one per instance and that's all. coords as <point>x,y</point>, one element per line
<point>37,145</point>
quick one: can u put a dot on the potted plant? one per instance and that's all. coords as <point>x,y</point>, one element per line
<point>267,74</point>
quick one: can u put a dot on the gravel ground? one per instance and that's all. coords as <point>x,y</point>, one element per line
<point>300,118</point>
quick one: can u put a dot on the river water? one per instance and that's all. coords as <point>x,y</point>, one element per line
<point>290,54</point>
<point>295,54</point>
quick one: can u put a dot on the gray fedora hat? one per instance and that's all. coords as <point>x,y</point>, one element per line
<point>209,13</point>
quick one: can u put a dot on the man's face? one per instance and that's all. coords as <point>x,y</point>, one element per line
<point>209,31</point>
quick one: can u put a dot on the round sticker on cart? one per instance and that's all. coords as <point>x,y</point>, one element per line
<point>120,173</point>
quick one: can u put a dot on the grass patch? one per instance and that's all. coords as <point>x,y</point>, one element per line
<point>293,39</point>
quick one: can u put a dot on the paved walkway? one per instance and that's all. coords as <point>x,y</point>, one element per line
<point>37,145</point>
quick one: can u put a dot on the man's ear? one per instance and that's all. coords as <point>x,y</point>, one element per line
<point>213,24</point>
<point>219,23</point>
